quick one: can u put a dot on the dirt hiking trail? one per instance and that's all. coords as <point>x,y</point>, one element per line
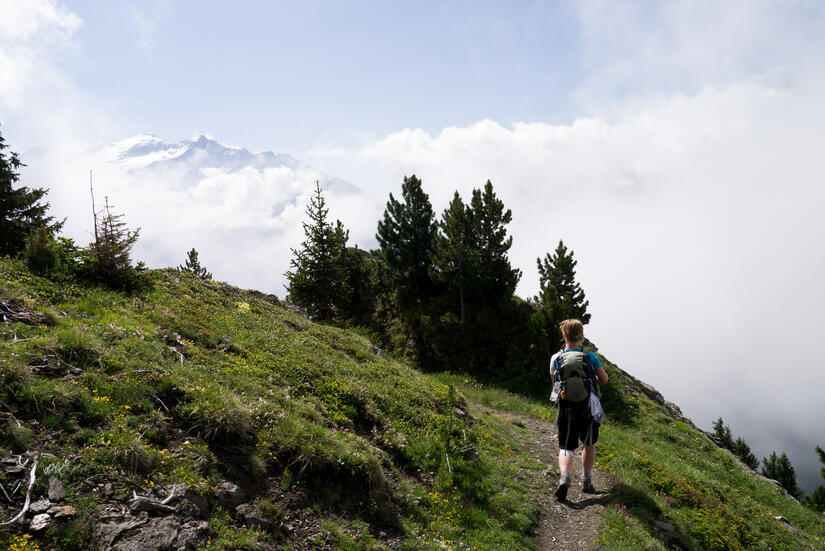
<point>572,525</point>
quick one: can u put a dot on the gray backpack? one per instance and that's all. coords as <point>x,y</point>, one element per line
<point>575,375</point>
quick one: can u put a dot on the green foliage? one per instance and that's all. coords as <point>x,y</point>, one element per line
<point>193,266</point>
<point>722,434</point>
<point>109,255</point>
<point>21,212</point>
<point>780,469</point>
<point>738,447</point>
<point>318,281</point>
<point>816,500</point>
<point>743,452</point>
<point>560,296</point>
<point>40,254</point>
<point>406,235</point>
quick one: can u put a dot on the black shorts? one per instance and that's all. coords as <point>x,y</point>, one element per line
<point>576,424</point>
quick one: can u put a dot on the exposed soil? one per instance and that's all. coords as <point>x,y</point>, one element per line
<point>574,524</point>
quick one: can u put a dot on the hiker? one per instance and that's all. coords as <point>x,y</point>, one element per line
<point>575,374</point>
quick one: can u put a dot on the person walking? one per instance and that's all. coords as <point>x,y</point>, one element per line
<point>576,374</point>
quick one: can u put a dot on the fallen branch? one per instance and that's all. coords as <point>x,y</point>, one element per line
<point>28,501</point>
<point>166,501</point>
<point>175,350</point>
<point>6,494</point>
<point>161,403</point>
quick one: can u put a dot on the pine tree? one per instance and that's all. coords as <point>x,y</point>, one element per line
<point>406,236</point>
<point>816,500</point>
<point>722,433</point>
<point>318,281</point>
<point>489,219</point>
<point>40,254</point>
<point>779,468</point>
<point>559,290</point>
<point>21,212</point>
<point>111,252</point>
<point>743,452</point>
<point>455,255</point>
<point>738,447</point>
<point>193,266</point>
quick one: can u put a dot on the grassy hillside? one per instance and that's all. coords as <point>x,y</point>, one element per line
<point>674,488</point>
<point>332,445</point>
<point>203,383</point>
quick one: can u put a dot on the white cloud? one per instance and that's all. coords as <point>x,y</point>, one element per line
<point>695,218</point>
<point>30,32</point>
<point>147,24</point>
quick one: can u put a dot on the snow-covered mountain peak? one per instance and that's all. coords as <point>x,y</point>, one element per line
<point>190,159</point>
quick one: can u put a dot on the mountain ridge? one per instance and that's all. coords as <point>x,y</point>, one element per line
<point>289,434</point>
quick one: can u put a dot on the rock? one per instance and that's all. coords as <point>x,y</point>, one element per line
<point>787,524</point>
<point>105,535</point>
<point>39,522</point>
<point>192,534</point>
<point>56,489</point>
<point>230,495</point>
<point>664,526</point>
<point>200,502</point>
<point>254,517</point>
<point>151,506</point>
<point>40,506</point>
<point>62,511</point>
<point>156,535</point>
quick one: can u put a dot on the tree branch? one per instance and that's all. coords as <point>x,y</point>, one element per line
<point>25,509</point>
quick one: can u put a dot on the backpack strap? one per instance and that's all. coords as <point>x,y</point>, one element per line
<point>594,380</point>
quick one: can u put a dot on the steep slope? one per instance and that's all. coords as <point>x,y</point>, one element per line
<point>204,416</point>
<point>266,429</point>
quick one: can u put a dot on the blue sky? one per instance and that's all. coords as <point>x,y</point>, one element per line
<point>287,76</point>
<point>674,146</point>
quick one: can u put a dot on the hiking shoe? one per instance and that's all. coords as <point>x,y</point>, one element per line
<point>587,486</point>
<point>564,485</point>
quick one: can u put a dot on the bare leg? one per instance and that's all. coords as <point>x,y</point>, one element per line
<point>588,458</point>
<point>565,461</point>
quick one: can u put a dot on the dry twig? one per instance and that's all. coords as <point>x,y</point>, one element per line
<point>28,501</point>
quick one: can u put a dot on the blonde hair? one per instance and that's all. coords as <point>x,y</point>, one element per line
<point>572,330</point>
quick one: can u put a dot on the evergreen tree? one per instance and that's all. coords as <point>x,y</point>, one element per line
<point>779,468</point>
<point>111,261</point>
<point>738,447</point>
<point>455,255</point>
<point>40,253</point>
<point>743,452</point>
<point>21,212</point>
<point>406,236</point>
<point>497,277</point>
<point>318,282</point>
<point>193,266</point>
<point>722,433</point>
<point>559,290</point>
<point>816,500</point>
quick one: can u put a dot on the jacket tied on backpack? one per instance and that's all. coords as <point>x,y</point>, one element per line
<point>574,379</point>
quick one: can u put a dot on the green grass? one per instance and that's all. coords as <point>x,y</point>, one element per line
<point>668,471</point>
<point>273,401</point>
<point>260,394</point>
